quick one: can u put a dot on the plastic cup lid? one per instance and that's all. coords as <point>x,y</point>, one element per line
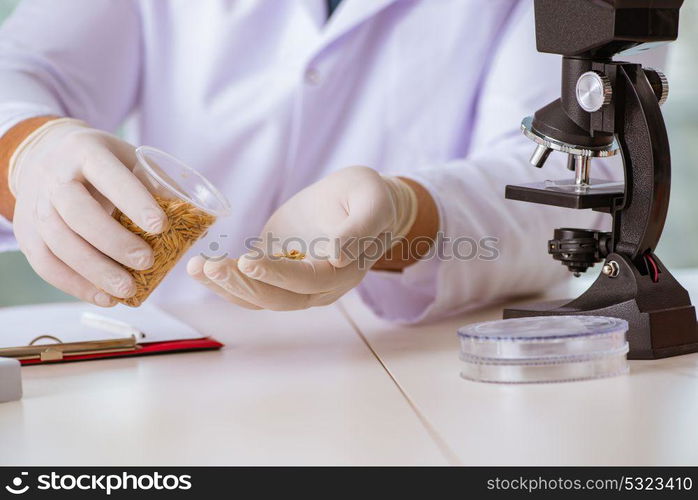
<point>543,339</point>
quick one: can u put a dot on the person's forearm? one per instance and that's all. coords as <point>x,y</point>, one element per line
<point>8,144</point>
<point>419,239</point>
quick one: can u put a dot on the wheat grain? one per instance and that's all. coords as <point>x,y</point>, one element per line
<point>187,224</point>
<point>292,255</point>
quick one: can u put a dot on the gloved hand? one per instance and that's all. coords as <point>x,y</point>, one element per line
<point>66,178</point>
<point>344,223</point>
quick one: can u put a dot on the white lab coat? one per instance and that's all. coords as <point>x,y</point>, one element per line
<point>266,97</point>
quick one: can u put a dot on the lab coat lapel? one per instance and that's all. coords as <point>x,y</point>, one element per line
<point>349,15</point>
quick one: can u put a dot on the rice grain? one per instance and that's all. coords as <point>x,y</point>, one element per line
<point>187,224</point>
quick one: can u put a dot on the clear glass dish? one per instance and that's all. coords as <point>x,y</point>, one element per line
<point>544,349</point>
<point>528,373</point>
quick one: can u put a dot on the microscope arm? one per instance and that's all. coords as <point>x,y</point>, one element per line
<point>644,145</point>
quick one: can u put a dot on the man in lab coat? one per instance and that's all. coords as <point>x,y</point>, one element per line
<point>387,117</point>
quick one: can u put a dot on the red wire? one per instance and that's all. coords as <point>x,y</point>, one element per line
<point>655,268</point>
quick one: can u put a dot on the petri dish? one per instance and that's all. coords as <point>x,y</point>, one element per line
<point>544,349</point>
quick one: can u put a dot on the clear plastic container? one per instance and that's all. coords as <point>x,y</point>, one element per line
<point>544,349</point>
<point>167,177</point>
<point>192,205</point>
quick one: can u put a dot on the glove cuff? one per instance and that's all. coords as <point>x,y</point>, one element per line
<point>8,143</point>
<point>13,166</point>
<point>406,208</point>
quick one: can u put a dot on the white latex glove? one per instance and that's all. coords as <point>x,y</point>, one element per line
<point>345,210</point>
<point>66,178</point>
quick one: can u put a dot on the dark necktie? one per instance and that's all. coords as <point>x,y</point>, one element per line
<point>331,6</point>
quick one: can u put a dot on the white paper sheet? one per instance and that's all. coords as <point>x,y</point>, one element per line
<point>20,325</point>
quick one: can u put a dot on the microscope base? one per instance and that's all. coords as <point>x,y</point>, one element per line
<point>662,321</point>
<point>648,333</point>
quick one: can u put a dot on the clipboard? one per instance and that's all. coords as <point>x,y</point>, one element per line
<point>59,350</point>
<point>98,334</point>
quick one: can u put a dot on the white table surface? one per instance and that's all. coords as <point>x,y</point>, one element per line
<point>337,386</point>
<point>288,388</point>
<point>649,417</point>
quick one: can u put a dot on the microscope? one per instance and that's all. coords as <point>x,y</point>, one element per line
<point>610,107</point>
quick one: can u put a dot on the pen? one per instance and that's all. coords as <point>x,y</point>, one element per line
<point>111,325</point>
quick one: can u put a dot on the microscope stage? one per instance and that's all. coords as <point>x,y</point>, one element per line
<point>598,194</point>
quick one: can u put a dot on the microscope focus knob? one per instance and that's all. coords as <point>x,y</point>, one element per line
<point>659,83</point>
<point>594,91</point>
